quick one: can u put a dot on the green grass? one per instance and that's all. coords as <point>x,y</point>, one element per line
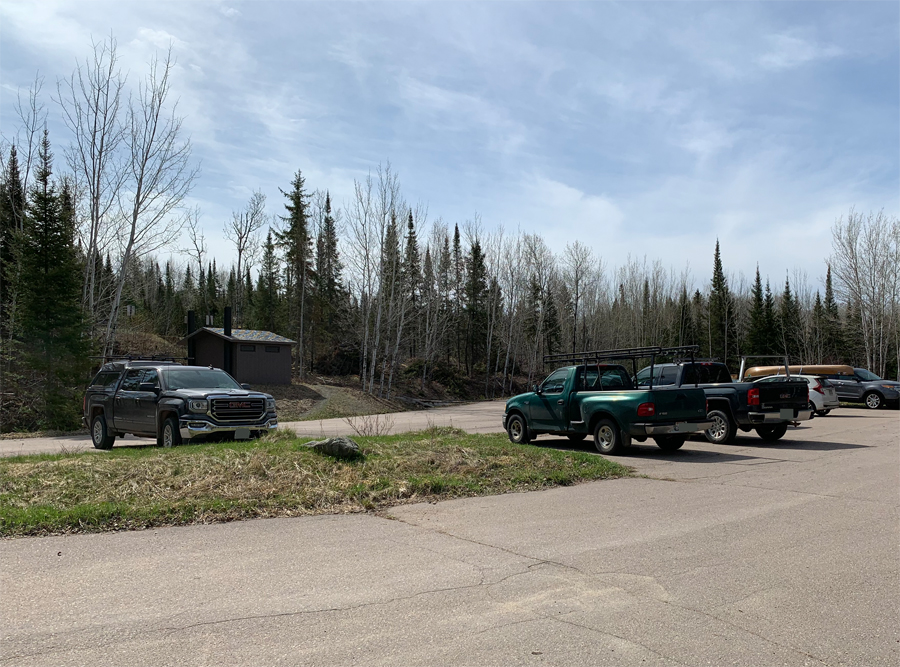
<point>127,489</point>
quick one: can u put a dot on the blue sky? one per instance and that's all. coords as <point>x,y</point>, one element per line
<point>642,128</point>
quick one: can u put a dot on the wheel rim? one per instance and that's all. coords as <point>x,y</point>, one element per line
<point>168,436</point>
<point>718,429</point>
<point>98,432</point>
<point>515,429</point>
<point>605,437</point>
<point>873,400</point>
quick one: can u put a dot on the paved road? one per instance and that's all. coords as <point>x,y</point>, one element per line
<point>473,417</point>
<point>751,554</point>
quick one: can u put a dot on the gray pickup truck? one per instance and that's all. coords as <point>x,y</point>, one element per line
<point>173,403</point>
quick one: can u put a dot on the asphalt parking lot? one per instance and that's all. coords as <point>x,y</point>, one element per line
<point>757,553</point>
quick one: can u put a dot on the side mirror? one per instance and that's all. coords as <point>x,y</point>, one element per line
<point>244,385</point>
<point>148,386</point>
<point>536,389</point>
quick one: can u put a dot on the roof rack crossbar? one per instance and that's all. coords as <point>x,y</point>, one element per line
<point>624,353</point>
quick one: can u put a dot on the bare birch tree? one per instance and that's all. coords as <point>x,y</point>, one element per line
<point>160,176</point>
<point>243,231</point>
<point>91,103</point>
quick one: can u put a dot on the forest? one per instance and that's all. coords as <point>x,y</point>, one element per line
<point>369,288</point>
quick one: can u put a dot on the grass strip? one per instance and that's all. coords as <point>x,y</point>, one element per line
<point>276,476</point>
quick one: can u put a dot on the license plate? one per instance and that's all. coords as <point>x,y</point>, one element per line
<point>787,413</point>
<point>242,434</point>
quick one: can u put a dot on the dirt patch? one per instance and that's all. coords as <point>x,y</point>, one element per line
<point>300,402</point>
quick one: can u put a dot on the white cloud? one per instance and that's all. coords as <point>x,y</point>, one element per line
<point>787,51</point>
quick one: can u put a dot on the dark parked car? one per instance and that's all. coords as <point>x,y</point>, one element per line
<point>173,403</point>
<point>866,387</point>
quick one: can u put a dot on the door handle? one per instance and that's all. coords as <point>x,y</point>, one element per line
<point>560,402</point>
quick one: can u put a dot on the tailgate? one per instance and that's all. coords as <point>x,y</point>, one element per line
<point>679,403</point>
<point>787,394</point>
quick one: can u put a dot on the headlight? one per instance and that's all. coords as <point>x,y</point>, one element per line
<point>198,406</point>
<point>890,386</point>
<point>270,405</point>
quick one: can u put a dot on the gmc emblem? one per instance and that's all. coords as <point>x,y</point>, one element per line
<point>238,404</point>
<point>785,396</point>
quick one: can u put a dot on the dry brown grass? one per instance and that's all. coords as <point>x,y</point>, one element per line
<point>275,476</point>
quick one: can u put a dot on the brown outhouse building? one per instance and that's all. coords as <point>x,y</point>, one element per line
<point>254,357</point>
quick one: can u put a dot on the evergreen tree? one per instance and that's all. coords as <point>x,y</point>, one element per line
<point>412,283</point>
<point>818,328</point>
<point>832,327</point>
<point>12,211</point>
<point>757,335</point>
<point>297,244</point>
<point>267,303</point>
<point>457,298</point>
<point>722,315</point>
<point>791,325</point>
<point>772,324</point>
<point>476,307</point>
<point>50,292</point>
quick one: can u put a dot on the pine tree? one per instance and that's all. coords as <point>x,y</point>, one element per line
<point>818,329</point>
<point>722,315</point>
<point>772,324</point>
<point>297,244</point>
<point>457,298</point>
<point>412,283</point>
<point>832,327</point>
<point>757,335</point>
<point>476,307</point>
<point>267,304</point>
<point>791,324</point>
<point>50,292</point>
<point>12,211</point>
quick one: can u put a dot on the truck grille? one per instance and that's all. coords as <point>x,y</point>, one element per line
<point>238,409</point>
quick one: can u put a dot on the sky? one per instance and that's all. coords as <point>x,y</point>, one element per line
<point>649,129</point>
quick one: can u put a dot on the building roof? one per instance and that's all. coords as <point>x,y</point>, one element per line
<point>246,335</point>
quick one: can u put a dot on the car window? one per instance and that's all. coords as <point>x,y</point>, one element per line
<point>615,378</point>
<point>151,376</point>
<point>199,378</point>
<point>556,382</point>
<point>866,376</point>
<point>825,383</point>
<point>668,375</point>
<point>132,380</point>
<point>643,377</point>
<point>105,379</point>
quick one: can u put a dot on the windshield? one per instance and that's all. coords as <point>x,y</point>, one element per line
<point>199,378</point>
<point>863,374</point>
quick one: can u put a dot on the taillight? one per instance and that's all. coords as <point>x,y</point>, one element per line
<point>646,410</point>
<point>753,396</point>
<point>817,388</point>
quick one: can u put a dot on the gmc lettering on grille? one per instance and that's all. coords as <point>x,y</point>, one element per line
<point>236,404</point>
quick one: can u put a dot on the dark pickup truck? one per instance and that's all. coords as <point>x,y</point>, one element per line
<point>595,398</point>
<point>173,403</point>
<point>766,407</point>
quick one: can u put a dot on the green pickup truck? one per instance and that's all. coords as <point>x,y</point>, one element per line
<point>598,398</point>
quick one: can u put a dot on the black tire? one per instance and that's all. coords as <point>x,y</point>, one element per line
<point>772,433</point>
<point>723,431</point>
<point>576,437</point>
<point>670,443</point>
<point>517,430</point>
<point>822,413</point>
<point>170,436</point>
<point>812,408</point>
<point>607,437</point>
<point>873,400</point>
<point>100,435</point>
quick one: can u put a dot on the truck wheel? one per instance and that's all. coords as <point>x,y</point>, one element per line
<point>607,437</point>
<point>100,433</point>
<point>170,436</point>
<point>670,443</point>
<point>772,433</point>
<point>873,400</point>
<point>517,430</point>
<point>576,437</point>
<point>723,430</point>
